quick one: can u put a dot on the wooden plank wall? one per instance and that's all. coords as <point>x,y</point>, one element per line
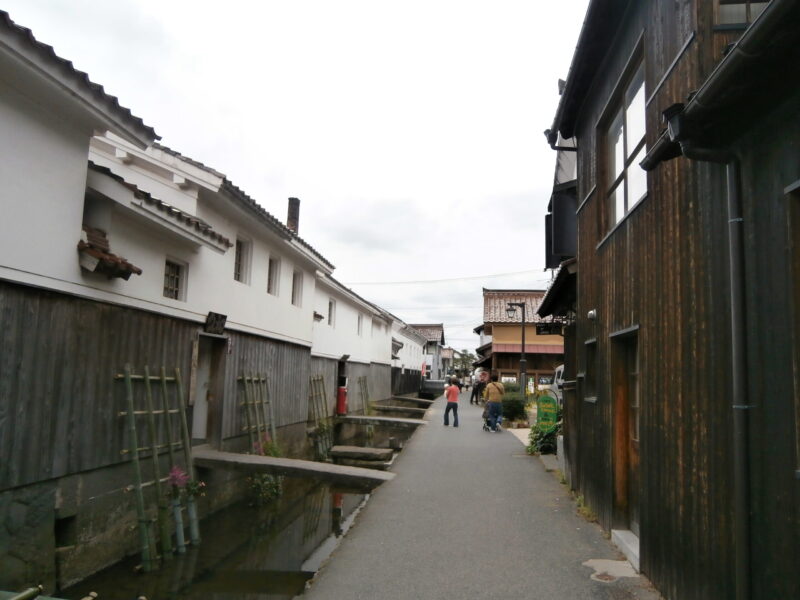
<point>770,164</point>
<point>664,270</point>
<point>287,367</point>
<point>58,398</point>
<point>380,381</point>
<point>354,371</point>
<point>405,383</point>
<point>328,368</point>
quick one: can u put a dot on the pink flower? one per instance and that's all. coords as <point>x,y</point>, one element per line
<point>178,478</point>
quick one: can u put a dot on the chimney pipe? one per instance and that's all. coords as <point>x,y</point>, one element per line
<point>293,218</point>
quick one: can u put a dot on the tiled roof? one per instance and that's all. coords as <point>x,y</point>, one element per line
<point>495,303</point>
<point>72,76</point>
<point>200,226</point>
<point>432,332</point>
<point>239,194</point>
<point>265,216</point>
<point>95,244</point>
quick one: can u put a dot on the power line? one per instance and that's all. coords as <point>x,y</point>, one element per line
<point>445,280</point>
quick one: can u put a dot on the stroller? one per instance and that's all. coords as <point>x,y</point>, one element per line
<point>486,426</point>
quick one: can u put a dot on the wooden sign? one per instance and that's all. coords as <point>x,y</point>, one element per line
<point>546,413</point>
<point>215,323</point>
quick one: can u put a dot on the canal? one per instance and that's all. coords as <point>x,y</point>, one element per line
<point>246,551</point>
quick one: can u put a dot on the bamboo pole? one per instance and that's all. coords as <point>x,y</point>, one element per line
<point>271,412</point>
<point>144,542</point>
<point>28,594</point>
<point>247,416</point>
<point>177,516</point>
<point>259,424</point>
<point>262,404</point>
<point>163,523</point>
<point>191,505</point>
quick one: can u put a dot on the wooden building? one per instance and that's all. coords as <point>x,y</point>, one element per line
<point>684,426</point>
<point>501,335</point>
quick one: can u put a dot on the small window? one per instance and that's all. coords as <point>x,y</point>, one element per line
<point>297,288</point>
<point>273,275</point>
<point>174,280</point>
<point>241,261</point>
<point>360,324</point>
<point>624,148</point>
<point>737,12</point>
<point>331,312</point>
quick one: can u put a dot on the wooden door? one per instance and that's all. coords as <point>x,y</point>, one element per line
<point>625,391</point>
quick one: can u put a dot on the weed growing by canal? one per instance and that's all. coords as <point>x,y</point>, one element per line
<point>265,488</point>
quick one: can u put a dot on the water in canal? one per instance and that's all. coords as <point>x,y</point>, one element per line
<point>246,552</point>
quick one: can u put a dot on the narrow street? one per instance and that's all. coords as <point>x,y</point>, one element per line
<point>464,499</point>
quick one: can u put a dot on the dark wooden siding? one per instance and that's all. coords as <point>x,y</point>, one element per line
<point>328,368</point>
<point>58,397</point>
<point>380,381</point>
<point>407,382</point>
<point>770,163</point>
<point>287,367</point>
<point>665,269</point>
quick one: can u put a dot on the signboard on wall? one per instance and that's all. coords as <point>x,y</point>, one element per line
<point>546,413</point>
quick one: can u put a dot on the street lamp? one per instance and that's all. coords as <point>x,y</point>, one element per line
<point>511,311</point>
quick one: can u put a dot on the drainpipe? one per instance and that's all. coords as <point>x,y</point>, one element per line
<point>741,491</point>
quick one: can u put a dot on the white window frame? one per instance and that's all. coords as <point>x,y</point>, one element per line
<point>242,254</point>
<point>360,324</point>
<point>273,277</point>
<point>331,312</point>
<point>297,288</point>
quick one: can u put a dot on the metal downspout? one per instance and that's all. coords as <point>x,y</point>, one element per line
<point>741,500</point>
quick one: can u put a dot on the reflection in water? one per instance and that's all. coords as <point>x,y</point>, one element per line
<point>247,553</point>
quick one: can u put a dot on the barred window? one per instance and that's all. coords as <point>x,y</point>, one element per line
<point>174,286</point>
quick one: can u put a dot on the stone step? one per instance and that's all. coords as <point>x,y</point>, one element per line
<point>361,453</point>
<point>349,476</point>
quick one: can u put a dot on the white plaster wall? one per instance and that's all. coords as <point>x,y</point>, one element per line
<point>210,285</point>
<point>410,355</point>
<point>42,181</point>
<point>381,341</point>
<point>343,337</point>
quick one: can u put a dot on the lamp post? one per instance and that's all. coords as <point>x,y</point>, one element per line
<point>511,311</point>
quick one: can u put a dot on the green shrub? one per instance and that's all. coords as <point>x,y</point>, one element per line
<point>514,407</point>
<point>511,388</point>
<point>544,442</point>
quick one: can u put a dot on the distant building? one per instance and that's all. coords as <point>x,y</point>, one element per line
<point>434,336</point>
<point>501,354</point>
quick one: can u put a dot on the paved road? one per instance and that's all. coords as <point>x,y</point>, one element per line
<point>470,515</point>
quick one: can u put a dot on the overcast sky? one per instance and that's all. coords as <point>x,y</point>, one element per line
<point>411,131</point>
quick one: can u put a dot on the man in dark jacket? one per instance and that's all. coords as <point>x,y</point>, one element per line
<point>477,390</point>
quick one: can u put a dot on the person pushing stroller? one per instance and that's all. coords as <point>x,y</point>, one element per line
<point>494,404</point>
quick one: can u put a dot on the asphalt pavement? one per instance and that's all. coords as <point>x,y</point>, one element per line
<point>471,515</point>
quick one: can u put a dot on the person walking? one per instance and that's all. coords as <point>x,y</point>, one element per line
<point>451,395</point>
<point>494,402</point>
<point>477,389</point>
